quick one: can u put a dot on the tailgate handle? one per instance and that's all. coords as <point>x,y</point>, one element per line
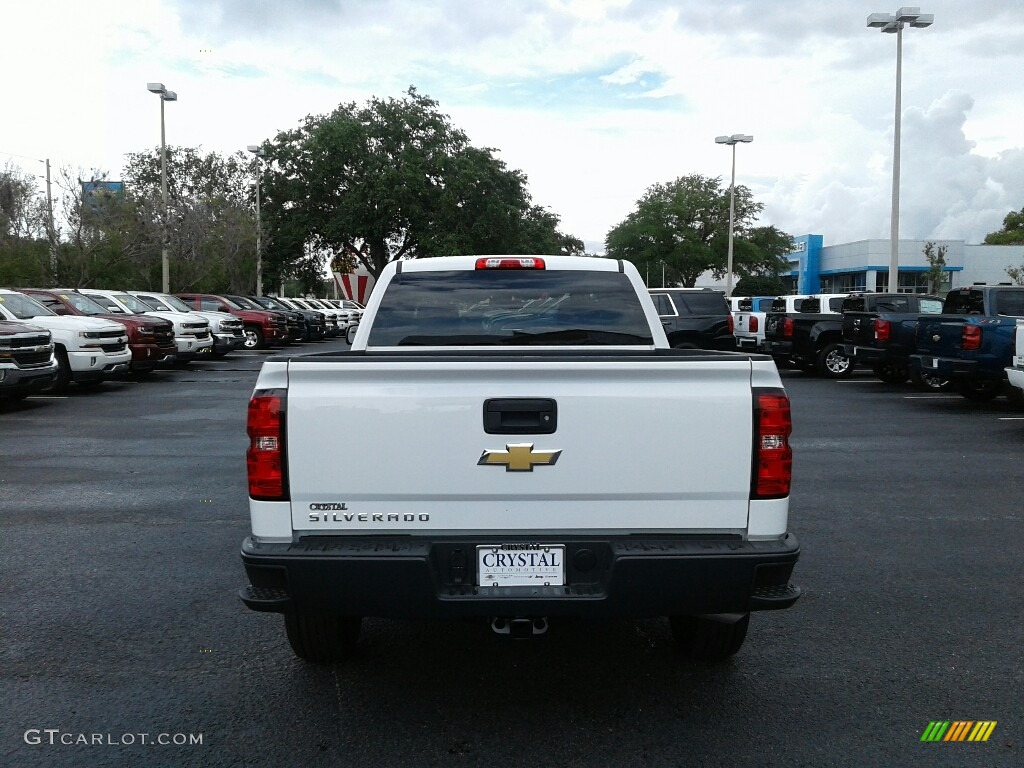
<point>520,416</point>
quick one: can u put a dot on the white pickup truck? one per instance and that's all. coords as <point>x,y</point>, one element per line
<point>518,466</point>
<point>1015,373</point>
<point>87,349</point>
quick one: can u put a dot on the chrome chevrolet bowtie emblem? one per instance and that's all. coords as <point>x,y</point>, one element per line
<point>936,337</point>
<point>519,457</point>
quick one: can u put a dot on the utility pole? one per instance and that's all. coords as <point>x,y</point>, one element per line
<point>50,234</point>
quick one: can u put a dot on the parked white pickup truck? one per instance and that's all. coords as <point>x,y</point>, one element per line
<point>518,465</point>
<point>748,321</point>
<point>88,349</point>
<point>1015,373</point>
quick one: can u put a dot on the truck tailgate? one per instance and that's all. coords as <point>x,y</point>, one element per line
<point>645,445</point>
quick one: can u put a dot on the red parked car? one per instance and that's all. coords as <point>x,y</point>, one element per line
<point>151,339</point>
<point>261,327</point>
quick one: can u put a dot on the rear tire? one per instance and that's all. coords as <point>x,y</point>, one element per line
<point>322,638</point>
<point>891,373</point>
<point>833,364</point>
<point>979,391</point>
<point>710,639</point>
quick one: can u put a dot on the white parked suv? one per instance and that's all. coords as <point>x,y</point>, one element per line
<point>228,331</point>
<point>88,349</point>
<point>192,334</point>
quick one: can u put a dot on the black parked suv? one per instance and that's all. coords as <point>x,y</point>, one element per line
<point>695,318</point>
<point>293,318</point>
<point>314,326</point>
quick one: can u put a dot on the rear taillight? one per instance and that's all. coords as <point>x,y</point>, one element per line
<point>787,327</point>
<point>882,329</point>
<point>773,458</point>
<point>732,324</point>
<point>265,459</point>
<point>970,337</point>
<point>506,262</point>
<point>752,324</point>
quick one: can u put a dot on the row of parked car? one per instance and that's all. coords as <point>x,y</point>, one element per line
<point>970,340</point>
<point>966,341</point>
<point>52,337</point>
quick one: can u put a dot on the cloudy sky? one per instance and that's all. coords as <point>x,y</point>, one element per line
<point>594,100</point>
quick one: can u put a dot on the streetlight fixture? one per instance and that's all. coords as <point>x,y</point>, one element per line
<point>732,141</point>
<point>165,95</point>
<point>258,151</point>
<point>894,24</point>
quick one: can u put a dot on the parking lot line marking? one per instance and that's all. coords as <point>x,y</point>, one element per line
<point>859,381</point>
<point>932,397</point>
<point>1011,418</point>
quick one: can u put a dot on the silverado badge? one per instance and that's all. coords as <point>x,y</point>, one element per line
<point>519,457</point>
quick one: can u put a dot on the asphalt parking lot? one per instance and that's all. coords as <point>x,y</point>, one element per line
<point>123,510</point>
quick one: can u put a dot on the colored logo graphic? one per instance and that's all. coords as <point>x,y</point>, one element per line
<point>958,730</point>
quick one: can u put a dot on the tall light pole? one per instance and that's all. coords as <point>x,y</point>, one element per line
<point>890,24</point>
<point>258,151</point>
<point>732,141</point>
<point>165,95</point>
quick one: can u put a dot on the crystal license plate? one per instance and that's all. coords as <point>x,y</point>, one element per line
<point>518,565</point>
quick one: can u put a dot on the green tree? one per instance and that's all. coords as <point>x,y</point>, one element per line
<point>768,256</point>
<point>936,257</point>
<point>760,285</point>
<point>390,180</point>
<point>24,253</point>
<point>684,225</point>
<point>1012,232</point>
<point>211,223</point>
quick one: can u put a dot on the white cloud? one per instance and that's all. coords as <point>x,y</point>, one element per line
<point>595,100</point>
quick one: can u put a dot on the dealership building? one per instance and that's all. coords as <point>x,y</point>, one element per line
<point>863,265</point>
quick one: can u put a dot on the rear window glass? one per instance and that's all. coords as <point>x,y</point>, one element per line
<point>930,307</point>
<point>764,305</point>
<point>810,305</point>
<point>780,303</point>
<point>745,305</point>
<point>704,302</point>
<point>836,304</point>
<point>663,304</point>
<point>1010,303</point>
<point>965,303</point>
<point>853,304</point>
<point>509,307</point>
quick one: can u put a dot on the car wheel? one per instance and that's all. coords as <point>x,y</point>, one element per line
<point>253,338</point>
<point>929,381</point>
<point>710,639</point>
<point>60,384</point>
<point>322,638</point>
<point>979,391</point>
<point>833,363</point>
<point>890,373</point>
